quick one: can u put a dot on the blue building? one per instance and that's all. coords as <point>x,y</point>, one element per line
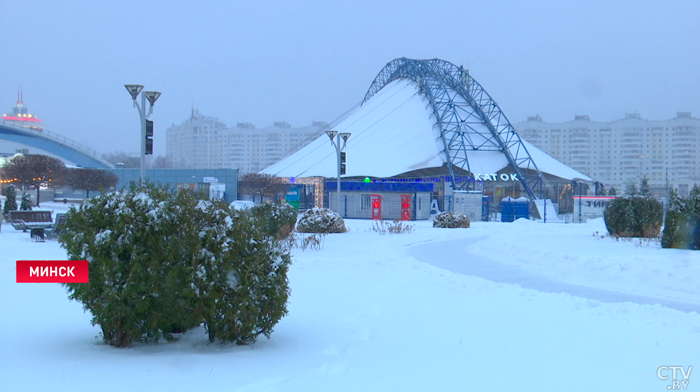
<point>217,183</point>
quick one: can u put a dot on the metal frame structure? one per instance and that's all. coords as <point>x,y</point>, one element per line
<point>467,117</point>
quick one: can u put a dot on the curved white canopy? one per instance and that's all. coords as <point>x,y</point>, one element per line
<point>393,133</point>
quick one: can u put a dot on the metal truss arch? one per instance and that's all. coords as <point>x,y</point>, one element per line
<point>468,118</point>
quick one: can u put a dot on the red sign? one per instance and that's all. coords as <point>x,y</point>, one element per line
<point>52,271</point>
<point>406,207</point>
<point>376,206</point>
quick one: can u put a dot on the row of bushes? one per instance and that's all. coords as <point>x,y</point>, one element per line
<point>11,201</point>
<point>642,216</point>
<point>321,220</point>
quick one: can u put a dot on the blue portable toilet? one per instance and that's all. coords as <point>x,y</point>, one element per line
<point>513,209</point>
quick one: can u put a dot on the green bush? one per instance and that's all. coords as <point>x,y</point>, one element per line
<point>451,220</point>
<point>682,224</point>
<point>10,200</point>
<point>283,218</point>
<point>321,220</point>
<point>26,203</point>
<point>634,216</point>
<point>240,274</point>
<point>162,263</point>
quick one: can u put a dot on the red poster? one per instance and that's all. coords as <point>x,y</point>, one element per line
<point>406,207</point>
<point>376,206</point>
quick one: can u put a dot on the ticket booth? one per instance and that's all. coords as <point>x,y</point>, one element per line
<point>406,207</point>
<point>376,206</point>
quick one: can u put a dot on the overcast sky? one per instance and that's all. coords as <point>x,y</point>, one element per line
<point>301,61</point>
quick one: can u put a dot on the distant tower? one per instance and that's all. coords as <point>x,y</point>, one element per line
<point>19,109</point>
<point>20,115</point>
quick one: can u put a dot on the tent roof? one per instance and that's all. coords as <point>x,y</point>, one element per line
<point>392,133</point>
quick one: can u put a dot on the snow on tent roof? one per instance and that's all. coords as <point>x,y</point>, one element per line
<point>393,133</point>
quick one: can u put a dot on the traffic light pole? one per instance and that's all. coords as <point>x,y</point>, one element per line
<point>336,144</point>
<point>151,96</point>
<point>143,134</point>
<point>335,141</point>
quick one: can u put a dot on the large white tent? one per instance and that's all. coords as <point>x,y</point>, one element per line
<point>393,132</point>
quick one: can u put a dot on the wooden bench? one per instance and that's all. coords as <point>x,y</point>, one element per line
<point>35,221</point>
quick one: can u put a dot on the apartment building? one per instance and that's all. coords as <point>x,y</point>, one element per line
<point>620,152</point>
<point>205,142</point>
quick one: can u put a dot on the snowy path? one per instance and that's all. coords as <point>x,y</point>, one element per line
<point>455,257</point>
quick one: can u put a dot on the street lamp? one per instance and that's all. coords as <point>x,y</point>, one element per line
<point>146,126</point>
<point>335,141</point>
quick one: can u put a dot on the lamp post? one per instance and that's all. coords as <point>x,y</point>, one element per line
<point>335,141</point>
<point>151,96</point>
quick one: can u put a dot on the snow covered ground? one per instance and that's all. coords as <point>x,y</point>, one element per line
<point>396,313</point>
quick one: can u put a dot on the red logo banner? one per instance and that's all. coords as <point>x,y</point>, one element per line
<point>52,271</point>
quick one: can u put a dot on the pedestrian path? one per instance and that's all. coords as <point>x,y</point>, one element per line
<point>454,255</point>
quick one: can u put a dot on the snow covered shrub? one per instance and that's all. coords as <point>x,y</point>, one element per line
<point>162,263</point>
<point>634,216</point>
<point>451,220</point>
<point>10,200</point>
<point>136,246</point>
<point>321,220</point>
<point>26,204</point>
<point>240,274</point>
<point>682,224</point>
<point>279,218</point>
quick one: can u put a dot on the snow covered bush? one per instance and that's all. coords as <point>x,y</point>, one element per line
<point>634,216</point>
<point>10,200</point>
<point>451,220</point>
<point>135,244</point>
<point>162,263</point>
<point>321,220</point>
<point>26,203</point>
<point>682,224</point>
<point>240,274</point>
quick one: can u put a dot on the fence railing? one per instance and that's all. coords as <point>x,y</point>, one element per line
<point>58,138</point>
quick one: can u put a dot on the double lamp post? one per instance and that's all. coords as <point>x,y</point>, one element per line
<point>146,125</point>
<point>335,141</point>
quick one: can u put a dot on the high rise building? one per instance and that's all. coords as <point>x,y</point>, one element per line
<point>621,152</point>
<point>204,142</point>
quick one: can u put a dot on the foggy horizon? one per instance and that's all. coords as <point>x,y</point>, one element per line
<point>312,61</point>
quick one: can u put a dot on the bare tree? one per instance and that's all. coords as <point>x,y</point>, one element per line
<point>129,161</point>
<point>162,162</point>
<point>256,184</point>
<point>90,179</point>
<point>35,170</point>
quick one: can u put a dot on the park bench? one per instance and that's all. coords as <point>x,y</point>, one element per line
<point>58,226</point>
<point>34,221</point>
